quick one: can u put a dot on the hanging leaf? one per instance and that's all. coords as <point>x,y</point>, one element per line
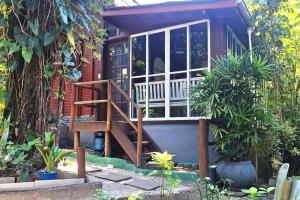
<point>63,14</point>
<point>12,65</point>
<point>76,74</point>
<point>27,54</point>
<point>71,38</point>
<point>48,71</point>
<point>34,26</point>
<point>14,47</point>
<point>21,38</point>
<point>50,36</point>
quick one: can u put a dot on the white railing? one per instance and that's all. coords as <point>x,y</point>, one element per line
<point>156,98</point>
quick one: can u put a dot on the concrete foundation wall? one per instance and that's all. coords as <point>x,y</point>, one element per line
<point>180,139</point>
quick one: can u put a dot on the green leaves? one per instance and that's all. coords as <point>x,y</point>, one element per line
<point>227,94</point>
<point>34,26</point>
<point>50,36</point>
<point>50,152</point>
<point>27,54</point>
<point>14,47</point>
<point>63,14</point>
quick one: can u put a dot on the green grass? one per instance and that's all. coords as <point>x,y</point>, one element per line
<point>123,164</point>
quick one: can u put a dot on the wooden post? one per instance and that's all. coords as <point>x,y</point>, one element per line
<point>81,163</point>
<point>139,139</point>
<point>203,148</point>
<point>76,140</point>
<point>72,115</point>
<point>107,148</point>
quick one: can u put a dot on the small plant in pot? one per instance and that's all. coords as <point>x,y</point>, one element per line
<point>51,155</point>
<point>231,95</point>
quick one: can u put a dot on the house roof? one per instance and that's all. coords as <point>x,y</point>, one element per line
<point>131,7</point>
<point>152,16</point>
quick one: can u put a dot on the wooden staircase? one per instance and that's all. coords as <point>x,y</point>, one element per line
<point>129,134</point>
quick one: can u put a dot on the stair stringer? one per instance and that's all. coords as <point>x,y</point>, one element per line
<point>124,142</point>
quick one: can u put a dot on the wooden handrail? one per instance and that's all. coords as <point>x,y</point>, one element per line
<point>124,94</point>
<point>90,102</point>
<point>124,115</point>
<point>110,103</point>
<point>91,82</point>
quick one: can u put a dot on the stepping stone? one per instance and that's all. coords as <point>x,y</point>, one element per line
<point>144,184</point>
<point>113,177</point>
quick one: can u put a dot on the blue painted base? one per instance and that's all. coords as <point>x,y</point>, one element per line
<point>47,175</point>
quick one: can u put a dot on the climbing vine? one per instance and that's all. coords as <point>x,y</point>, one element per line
<point>40,39</point>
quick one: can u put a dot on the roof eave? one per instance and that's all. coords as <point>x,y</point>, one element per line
<point>157,8</point>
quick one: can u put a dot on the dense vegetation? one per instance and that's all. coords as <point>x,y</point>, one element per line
<point>277,38</point>
<point>39,40</point>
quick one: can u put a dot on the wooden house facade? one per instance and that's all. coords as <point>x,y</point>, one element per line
<point>153,55</point>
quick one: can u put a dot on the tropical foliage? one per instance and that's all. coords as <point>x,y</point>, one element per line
<point>50,152</point>
<point>231,94</point>
<point>277,37</point>
<point>166,165</point>
<point>14,158</point>
<point>40,39</point>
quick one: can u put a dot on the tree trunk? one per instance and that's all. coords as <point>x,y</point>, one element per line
<point>29,100</point>
<point>60,106</point>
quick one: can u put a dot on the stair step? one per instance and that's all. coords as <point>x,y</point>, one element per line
<point>89,126</point>
<point>153,166</point>
<point>131,133</point>
<point>143,142</point>
<point>147,156</point>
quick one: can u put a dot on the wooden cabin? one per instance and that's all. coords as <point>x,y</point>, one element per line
<point>138,94</point>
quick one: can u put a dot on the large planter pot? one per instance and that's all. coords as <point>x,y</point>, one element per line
<point>243,173</point>
<point>98,143</point>
<point>47,175</point>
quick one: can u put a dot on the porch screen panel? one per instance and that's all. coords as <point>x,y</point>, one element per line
<point>165,65</point>
<point>178,72</point>
<point>198,58</point>
<point>156,75</point>
<point>234,45</point>
<point>138,73</point>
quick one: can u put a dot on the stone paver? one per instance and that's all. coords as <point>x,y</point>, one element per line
<point>121,190</point>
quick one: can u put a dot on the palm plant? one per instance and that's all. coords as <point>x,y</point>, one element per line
<point>231,93</point>
<point>50,152</point>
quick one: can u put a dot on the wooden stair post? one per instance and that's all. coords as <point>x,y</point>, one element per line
<point>107,147</point>
<point>139,148</point>
<point>76,134</point>
<point>203,148</point>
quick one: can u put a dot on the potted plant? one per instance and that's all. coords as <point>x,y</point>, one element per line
<point>230,94</point>
<point>51,155</point>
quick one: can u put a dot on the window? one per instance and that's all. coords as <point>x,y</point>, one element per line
<point>165,63</point>
<point>234,45</point>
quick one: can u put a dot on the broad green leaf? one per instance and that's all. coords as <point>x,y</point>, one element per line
<point>71,38</point>
<point>63,14</point>
<point>48,71</point>
<point>14,47</point>
<point>20,37</point>
<point>76,74</point>
<point>12,65</point>
<point>50,36</point>
<point>27,54</point>
<point>34,26</point>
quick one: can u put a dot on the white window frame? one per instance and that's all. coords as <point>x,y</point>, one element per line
<point>167,68</point>
<point>237,41</point>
